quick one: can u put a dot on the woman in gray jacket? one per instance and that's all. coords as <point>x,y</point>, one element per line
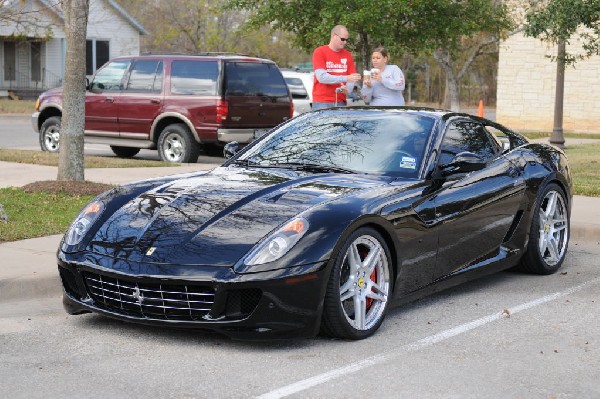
<point>385,84</point>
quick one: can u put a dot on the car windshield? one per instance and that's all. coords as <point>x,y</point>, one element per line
<point>378,142</point>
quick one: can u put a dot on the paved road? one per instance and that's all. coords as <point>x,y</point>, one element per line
<point>17,132</point>
<point>505,336</point>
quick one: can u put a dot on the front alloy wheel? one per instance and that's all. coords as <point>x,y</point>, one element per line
<point>549,237</point>
<point>359,287</point>
<point>50,134</point>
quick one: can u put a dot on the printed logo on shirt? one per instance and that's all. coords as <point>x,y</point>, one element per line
<point>340,68</point>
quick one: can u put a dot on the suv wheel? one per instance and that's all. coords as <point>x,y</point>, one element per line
<point>50,134</point>
<point>176,144</point>
<point>124,152</point>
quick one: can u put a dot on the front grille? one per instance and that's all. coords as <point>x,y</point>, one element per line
<point>170,301</point>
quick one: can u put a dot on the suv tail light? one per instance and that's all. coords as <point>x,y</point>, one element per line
<point>222,110</point>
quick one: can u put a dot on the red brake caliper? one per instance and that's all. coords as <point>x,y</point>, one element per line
<point>363,254</point>
<point>373,279</point>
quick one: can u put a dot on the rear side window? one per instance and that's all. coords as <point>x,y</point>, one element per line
<point>194,77</point>
<point>254,79</point>
<point>297,88</point>
<point>146,76</point>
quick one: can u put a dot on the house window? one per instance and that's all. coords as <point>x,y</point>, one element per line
<point>97,53</point>
<point>36,61</point>
<point>10,53</point>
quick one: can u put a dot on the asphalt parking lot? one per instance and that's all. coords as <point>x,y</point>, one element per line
<point>509,335</point>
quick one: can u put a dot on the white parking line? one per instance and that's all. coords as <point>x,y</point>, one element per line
<point>422,343</point>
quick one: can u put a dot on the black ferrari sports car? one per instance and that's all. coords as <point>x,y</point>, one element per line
<point>321,225</point>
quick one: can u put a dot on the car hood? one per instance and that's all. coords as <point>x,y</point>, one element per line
<point>215,218</point>
<point>57,91</point>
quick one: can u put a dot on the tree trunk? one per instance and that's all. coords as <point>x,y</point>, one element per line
<point>70,164</point>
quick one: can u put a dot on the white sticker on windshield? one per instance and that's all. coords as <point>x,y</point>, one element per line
<point>408,163</point>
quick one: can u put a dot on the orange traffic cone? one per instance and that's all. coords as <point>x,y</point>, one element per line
<point>480,109</point>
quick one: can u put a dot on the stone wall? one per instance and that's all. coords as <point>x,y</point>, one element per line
<point>526,88</point>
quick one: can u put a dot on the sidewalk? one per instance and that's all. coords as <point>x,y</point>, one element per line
<point>28,269</point>
<point>20,174</point>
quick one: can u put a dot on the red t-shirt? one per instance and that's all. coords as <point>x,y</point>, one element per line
<point>335,63</point>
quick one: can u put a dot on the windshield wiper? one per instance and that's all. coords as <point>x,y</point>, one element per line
<point>245,162</point>
<point>314,167</point>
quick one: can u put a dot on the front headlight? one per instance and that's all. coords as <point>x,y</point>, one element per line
<point>84,221</point>
<point>279,243</point>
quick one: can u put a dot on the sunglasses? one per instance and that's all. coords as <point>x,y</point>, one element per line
<point>344,39</point>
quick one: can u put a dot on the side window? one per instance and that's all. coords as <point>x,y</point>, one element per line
<point>194,77</point>
<point>467,136</point>
<point>146,76</point>
<point>110,78</point>
<point>297,88</point>
<point>254,79</point>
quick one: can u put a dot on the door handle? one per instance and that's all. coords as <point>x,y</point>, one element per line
<point>109,100</point>
<point>155,101</point>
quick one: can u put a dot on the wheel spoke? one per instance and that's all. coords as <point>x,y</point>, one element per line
<point>347,290</point>
<point>551,205</point>
<point>376,296</point>
<point>543,242</point>
<point>378,289</point>
<point>372,260</point>
<point>360,310</point>
<point>353,259</point>
<point>553,250</point>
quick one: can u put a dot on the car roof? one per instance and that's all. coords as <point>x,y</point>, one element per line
<point>201,56</point>
<point>437,113</point>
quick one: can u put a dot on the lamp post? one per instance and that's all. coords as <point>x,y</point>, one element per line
<point>557,138</point>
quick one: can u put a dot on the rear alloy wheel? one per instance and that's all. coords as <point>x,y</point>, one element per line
<point>549,236</point>
<point>176,144</point>
<point>124,152</point>
<point>50,134</point>
<point>359,287</point>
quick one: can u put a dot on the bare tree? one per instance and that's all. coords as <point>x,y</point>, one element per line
<point>70,164</point>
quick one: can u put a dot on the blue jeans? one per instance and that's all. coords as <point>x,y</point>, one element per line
<point>316,106</point>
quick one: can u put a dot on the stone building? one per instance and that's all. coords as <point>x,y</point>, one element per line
<point>527,85</point>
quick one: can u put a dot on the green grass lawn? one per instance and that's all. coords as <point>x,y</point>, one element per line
<point>51,159</point>
<point>585,168</point>
<point>37,214</point>
<point>16,106</point>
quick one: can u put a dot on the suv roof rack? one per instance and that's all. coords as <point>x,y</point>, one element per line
<point>201,53</point>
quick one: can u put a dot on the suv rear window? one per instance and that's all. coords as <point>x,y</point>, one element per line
<point>254,79</point>
<point>194,77</point>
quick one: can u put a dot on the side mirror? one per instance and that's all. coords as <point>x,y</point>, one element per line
<point>87,83</point>
<point>230,149</point>
<point>463,162</point>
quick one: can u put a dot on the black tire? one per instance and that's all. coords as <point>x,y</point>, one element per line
<point>176,144</point>
<point>124,152</point>
<point>352,285</point>
<point>50,134</point>
<point>549,235</point>
<point>212,150</point>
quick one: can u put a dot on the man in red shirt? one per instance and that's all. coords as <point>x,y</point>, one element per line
<point>335,72</point>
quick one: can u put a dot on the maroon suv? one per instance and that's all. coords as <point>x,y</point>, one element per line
<point>176,104</point>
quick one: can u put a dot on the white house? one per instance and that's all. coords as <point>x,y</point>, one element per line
<point>32,51</point>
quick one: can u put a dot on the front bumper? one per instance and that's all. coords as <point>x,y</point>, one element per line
<point>34,121</point>
<point>277,304</point>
